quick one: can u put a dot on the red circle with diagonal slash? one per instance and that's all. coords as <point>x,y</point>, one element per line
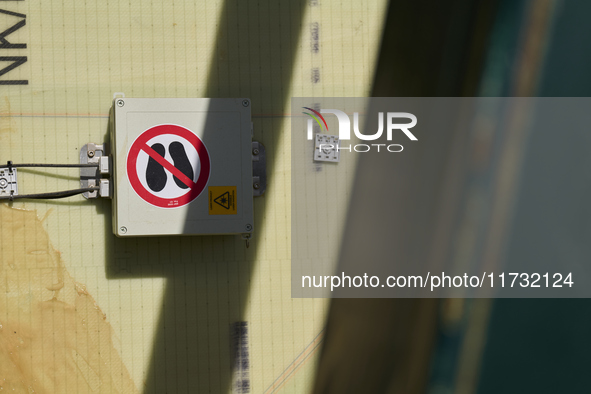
<point>141,144</point>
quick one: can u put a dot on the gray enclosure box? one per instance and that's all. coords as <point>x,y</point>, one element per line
<point>181,166</point>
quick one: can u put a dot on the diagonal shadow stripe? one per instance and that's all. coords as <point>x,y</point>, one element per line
<point>183,361</point>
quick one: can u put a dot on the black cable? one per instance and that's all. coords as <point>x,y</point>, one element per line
<point>49,165</point>
<point>50,196</point>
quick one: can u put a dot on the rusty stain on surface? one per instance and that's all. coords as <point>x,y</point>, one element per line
<point>6,122</point>
<point>54,338</point>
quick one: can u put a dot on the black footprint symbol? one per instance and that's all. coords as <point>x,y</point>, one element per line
<point>155,174</point>
<point>181,162</point>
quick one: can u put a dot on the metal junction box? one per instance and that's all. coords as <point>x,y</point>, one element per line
<point>181,166</point>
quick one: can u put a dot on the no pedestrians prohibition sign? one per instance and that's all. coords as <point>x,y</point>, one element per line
<point>168,166</point>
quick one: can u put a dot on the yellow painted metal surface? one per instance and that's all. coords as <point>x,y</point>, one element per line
<point>159,310</point>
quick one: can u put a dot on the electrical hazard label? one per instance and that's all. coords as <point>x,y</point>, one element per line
<point>222,200</point>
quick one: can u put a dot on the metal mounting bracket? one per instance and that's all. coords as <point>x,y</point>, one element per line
<point>94,176</point>
<point>259,169</point>
<point>8,183</point>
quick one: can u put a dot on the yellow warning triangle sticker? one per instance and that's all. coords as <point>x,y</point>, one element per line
<point>222,200</point>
